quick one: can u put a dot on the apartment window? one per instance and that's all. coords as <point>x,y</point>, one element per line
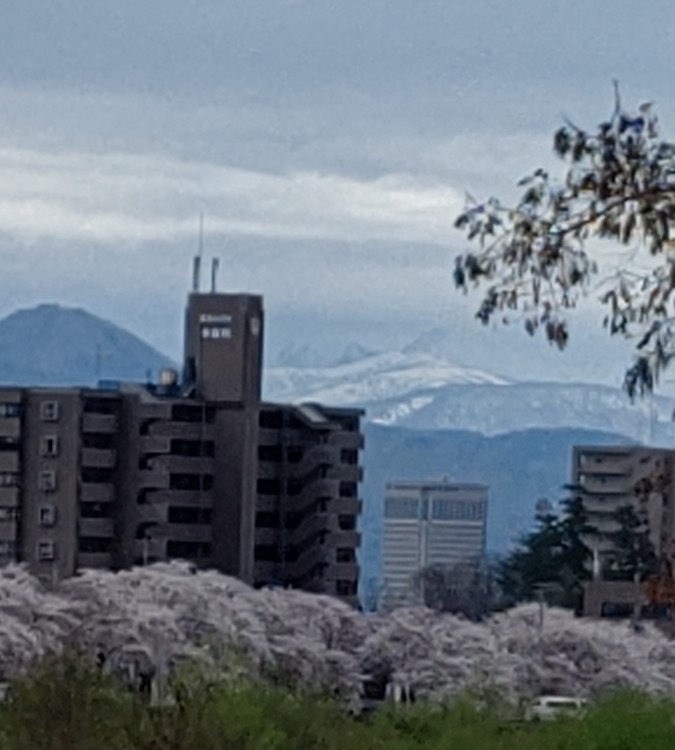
<point>100,406</point>
<point>268,487</point>
<point>10,410</point>
<point>102,441</point>
<point>192,413</point>
<point>402,507</point>
<point>191,482</point>
<point>266,553</point>
<point>350,457</point>
<point>9,479</point>
<point>347,489</point>
<point>189,515</point>
<point>271,420</point>
<point>345,555</point>
<point>193,448</point>
<point>266,520</point>
<point>295,486</point>
<point>96,475</point>
<point>345,588</point>
<point>9,444</point>
<point>95,544</point>
<point>8,514</point>
<point>295,455</point>
<point>347,522</point>
<point>49,446</point>
<point>46,550</point>
<point>188,550</point>
<point>270,453</point>
<point>47,515</point>
<point>461,510</point>
<point>47,480</point>
<point>49,411</point>
<point>95,510</point>
<point>7,549</point>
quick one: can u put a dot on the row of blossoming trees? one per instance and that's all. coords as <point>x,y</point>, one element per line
<point>154,621</point>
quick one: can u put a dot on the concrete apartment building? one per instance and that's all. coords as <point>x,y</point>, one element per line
<point>607,478</point>
<point>128,474</point>
<point>307,498</point>
<point>428,523</point>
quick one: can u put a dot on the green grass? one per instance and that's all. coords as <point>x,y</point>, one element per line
<point>67,705</point>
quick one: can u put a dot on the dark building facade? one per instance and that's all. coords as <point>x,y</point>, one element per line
<point>307,498</point>
<point>193,468</point>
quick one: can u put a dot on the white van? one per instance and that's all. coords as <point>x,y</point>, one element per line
<point>551,706</point>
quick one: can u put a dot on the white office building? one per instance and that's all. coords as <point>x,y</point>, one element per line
<point>428,523</point>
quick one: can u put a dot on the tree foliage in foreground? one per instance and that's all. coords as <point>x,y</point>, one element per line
<point>634,558</point>
<point>534,259</point>
<point>69,705</point>
<point>551,561</point>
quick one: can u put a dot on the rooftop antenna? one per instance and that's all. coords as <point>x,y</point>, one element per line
<point>197,261</point>
<point>214,270</point>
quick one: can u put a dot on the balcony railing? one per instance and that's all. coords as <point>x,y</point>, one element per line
<point>99,458</point>
<point>101,423</point>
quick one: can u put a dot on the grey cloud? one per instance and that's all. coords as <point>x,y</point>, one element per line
<point>80,196</point>
<point>329,142</point>
<point>354,40</point>
<point>410,56</point>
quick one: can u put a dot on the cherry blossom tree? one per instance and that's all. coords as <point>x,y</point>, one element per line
<point>155,622</point>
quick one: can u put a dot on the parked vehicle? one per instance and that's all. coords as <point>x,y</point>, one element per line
<point>551,706</point>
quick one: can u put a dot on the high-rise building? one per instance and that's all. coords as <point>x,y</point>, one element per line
<point>608,479</point>
<point>429,523</point>
<point>127,474</point>
<point>307,498</point>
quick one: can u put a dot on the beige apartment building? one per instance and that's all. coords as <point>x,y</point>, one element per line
<point>607,478</point>
<point>129,474</point>
<point>429,523</point>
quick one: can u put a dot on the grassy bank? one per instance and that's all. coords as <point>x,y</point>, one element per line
<point>69,706</point>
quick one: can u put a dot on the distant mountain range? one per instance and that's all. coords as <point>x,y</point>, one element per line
<point>54,345</point>
<point>427,416</point>
<point>425,390</point>
<point>519,468</point>
<point>302,355</point>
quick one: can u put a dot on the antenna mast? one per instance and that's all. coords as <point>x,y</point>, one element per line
<point>215,262</point>
<point>197,260</point>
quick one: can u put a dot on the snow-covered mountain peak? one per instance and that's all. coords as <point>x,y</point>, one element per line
<point>423,390</point>
<point>353,352</point>
<point>374,378</point>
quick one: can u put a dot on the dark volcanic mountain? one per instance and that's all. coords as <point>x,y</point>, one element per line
<point>54,345</point>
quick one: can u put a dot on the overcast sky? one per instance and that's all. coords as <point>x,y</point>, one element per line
<point>327,142</point>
